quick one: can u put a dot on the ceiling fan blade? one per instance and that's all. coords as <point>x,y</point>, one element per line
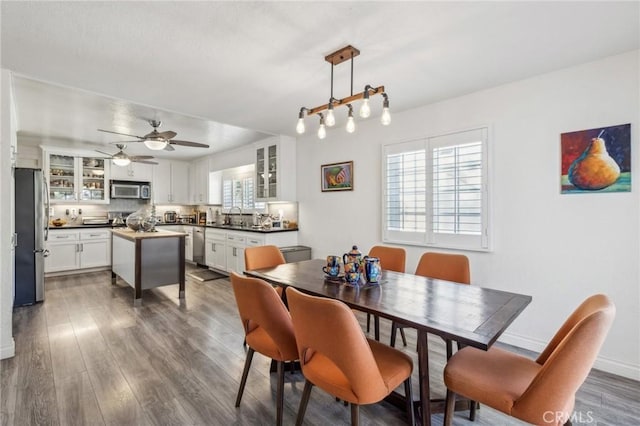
<point>187,143</point>
<point>102,152</point>
<point>168,147</point>
<point>118,133</point>
<point>142,161</point>
<point>140,157</point>
<point>167,135</point>
<point>123,142</point>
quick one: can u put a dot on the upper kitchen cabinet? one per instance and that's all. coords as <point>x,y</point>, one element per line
<point>137,172</point>
<point>170,184</point>
<point>199,182</point>
<point>76,179</point>
<point>276,169</point>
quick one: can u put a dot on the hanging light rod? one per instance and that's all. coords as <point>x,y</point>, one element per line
<point>339,56</point>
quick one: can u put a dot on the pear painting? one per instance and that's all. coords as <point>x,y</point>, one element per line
<point>597,160</point>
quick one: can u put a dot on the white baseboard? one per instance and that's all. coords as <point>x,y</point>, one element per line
<point>630,371</point>
<point>9,350</point>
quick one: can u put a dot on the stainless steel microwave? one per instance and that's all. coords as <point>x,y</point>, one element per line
<point>130,190</point>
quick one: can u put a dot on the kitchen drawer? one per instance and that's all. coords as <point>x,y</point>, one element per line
<point>95,235</point>
<point>63,236</point>
<point>236,239</point>
<point>254,241</point>
<point>211,234</point>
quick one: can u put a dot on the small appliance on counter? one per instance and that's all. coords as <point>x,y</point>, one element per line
<point>187,218</point>
<point>170,217</point>
<point>202,218</point>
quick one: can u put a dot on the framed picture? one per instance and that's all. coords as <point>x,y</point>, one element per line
<point>596,160</point>
<point>337,176</point>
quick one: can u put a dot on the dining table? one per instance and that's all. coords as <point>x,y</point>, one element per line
<point>469,314</point>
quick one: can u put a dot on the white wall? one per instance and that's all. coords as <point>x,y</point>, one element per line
<point>7,139</point>
<point>557,248</point>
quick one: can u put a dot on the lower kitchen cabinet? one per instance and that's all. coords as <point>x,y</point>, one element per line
<point>224,249</point>
<point>235,252</point>
<point>78,249</point>
<point>215,249</point>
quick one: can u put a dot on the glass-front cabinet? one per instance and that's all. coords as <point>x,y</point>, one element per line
<point>275,169</point>
<point>73,178</point>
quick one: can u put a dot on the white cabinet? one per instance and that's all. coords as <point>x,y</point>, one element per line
<point>199,182</point>
<point>224,249</point>
<point>136,172</point>
<point>170,182</point>
<point>215,249</point>
<point>73,178</point>
<point>188,243</point>
<point>235,252</point>
<point>64,254</point>
<point>95,248</point>
<point>275,169</point>
<point>78,249</point>
<point>215,187</point>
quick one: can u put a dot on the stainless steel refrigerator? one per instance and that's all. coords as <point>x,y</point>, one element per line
<point>32,228</point>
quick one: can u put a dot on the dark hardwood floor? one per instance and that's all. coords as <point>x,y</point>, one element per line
<point>86,356</point>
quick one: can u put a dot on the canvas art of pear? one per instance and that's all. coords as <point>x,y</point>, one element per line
<point>594,169</point>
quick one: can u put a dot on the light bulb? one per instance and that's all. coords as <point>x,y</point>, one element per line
<point>300,126</point>
<point>121,161</point>
<point>331,118</point>
<point>385,119</point>
<point>365,109</point>
<point>351,124</point>
<point>322,131</point>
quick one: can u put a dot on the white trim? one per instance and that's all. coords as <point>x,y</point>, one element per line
<point>9,350</point>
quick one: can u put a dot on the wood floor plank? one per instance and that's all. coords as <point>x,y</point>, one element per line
<point>66,358</point>
<point>8,390</point>
<point>77,401</point>
<point>36,402</point>
<point>116,400</point>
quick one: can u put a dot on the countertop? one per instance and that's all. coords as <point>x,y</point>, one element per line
<point>160,225</point>
<point>130,234</point>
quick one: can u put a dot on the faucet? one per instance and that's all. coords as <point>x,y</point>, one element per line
<point>241,223</point>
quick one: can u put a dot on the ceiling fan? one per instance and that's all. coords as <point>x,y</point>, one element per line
<point>122,159</point>
<point>159,140</point>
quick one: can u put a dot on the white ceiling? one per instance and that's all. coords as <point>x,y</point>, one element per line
<point>252,65</point>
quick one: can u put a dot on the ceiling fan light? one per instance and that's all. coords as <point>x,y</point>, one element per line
<point>122,161</point>
<point>155,144</point>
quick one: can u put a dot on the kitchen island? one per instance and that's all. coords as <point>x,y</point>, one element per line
<point>146,260</point>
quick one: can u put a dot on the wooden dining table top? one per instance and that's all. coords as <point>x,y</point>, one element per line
<point>470,314</point>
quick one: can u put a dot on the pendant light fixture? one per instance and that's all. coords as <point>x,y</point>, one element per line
<point>335,58</point>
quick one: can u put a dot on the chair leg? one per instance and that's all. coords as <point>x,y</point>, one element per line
<point>449,348</point>
<point>355,414</point>
<point>404,339</point>
<point>280,394</point>
<point>394,329</point>
<point>408,395</point>
<point>245,373</point>
<point>368,322</point>
<point>449,408</point>
<point>472,410</point>
<point>306,393</point>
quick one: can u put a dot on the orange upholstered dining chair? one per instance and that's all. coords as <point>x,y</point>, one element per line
<point>391,259</point>
<point>268,329</point>
<point>543,391</point>
<point>263,257</point>
<point>336,356</point>
<point>441,266</point>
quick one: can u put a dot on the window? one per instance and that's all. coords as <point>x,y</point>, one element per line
<point>238,190</point>
<point>436,192</point>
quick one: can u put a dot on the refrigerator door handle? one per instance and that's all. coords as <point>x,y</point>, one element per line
<point>48,208</point>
